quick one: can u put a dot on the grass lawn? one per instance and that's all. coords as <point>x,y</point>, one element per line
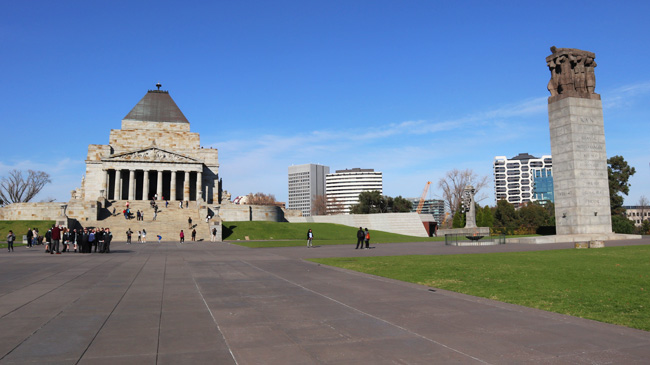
<point>608,285</point>
<point>20,228</point>
<point>274,234</point>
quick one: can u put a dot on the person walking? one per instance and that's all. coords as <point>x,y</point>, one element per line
<point>182,236</point>
<point>30,237</point>
<point>310,237</point>
<point>129,233</point>
<point>360,236</point>
<point>108,237</point>
<point>367,237</point>
<point>155,214</point>
<point>194,235</point>
<point>11,237</point>
<point>189,222</point>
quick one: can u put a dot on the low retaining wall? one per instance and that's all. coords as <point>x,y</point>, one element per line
<point>243,212</point>
<point>402,223</point>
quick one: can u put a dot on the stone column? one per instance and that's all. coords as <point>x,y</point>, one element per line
<point>131,184</point>
<point>145,185</point>
<point>186,186</point>
<point>199,186</point>
<point>159,184</point>
<point>105,184</point>
<point>118,183</point>
<point>172,187</point>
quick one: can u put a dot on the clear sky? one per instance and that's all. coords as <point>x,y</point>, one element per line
<point>409,88</point>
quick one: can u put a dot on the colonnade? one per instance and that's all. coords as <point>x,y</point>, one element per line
<point>141,184</point>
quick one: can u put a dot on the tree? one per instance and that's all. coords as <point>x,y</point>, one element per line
<point>370,202</point>
<point>261,199</point>
<point>618,173</point>
<point>643,208</point>
<point>459,220</point>
<point>453,184</point>
<point>620,224</point>
<point>17,189</point>
<point>532,216</point>
<point>400,205</point>
<point>319,205</point>
<point>505,217</point>
<point>334,206</point>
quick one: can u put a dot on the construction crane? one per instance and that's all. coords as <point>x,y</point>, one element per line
<point>424,195</point>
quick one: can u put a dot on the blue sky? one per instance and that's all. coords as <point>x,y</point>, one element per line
<point>409,88</point>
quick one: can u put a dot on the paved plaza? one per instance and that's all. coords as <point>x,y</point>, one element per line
<point>217,303</point>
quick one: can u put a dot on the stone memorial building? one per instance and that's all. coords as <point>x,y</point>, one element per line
<point>153,155</point>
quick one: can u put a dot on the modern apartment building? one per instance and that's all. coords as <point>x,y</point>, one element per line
<point>305,182</point>
<point>523,178</point>
<point>430,206</point>
<point>344,186</point>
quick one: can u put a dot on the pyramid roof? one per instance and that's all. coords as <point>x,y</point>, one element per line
<point>157,106</point>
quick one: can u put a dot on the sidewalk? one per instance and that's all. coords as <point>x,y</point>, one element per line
<point>217,303</point>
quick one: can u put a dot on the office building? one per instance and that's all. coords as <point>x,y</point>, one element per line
<point>523,178</point>
<point>305,183</point>
<point>436,207</point>
<point>344,186</point>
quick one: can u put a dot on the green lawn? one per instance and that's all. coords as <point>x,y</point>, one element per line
<point>608,285</point>
<point>20,228</point>
<point>274,234</point>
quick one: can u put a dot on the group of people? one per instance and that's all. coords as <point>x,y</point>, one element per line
<point>142,236</point>
<point>182,234</point>
<point>62,239</point>
<point>363,236</point>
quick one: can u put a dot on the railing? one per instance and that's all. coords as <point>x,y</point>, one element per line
<point>454,239</point>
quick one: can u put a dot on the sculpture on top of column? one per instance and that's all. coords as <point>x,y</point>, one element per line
<point>572,74</point>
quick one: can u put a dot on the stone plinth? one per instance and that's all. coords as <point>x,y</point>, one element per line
<point>579,166</point>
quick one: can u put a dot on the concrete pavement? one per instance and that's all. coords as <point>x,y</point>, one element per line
<point>217,303</point>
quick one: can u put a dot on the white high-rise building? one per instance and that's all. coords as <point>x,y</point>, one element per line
<point>344,186</point>
<point>523,178</point>
<point>305,182</point>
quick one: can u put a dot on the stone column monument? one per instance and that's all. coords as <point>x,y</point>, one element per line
<point>469,206</point>
<point>575,116</point>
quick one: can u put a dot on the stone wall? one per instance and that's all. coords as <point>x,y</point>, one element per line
<point>76,209</point>
<point>401,223</point>
<point>242,212</point>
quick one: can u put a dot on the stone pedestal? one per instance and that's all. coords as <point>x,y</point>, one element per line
<point>216,223</point>
<point>579,166</point>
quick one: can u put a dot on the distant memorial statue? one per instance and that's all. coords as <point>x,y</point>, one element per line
<point>469,207</point>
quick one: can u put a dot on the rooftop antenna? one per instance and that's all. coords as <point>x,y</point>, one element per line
<point>158,85</point>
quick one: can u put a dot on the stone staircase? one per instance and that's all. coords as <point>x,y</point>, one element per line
<point>168,223</point>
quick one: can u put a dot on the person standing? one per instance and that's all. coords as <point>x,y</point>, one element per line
<point>92,242</point>
<point>214,234</point>
<point>310,237</point>
<point>48,240</point>
<point>144,236</point>
<point>360,236</point>
<point>367,237</point>
<point>129,233</point>
<point>139,236</point>
<point>56,239</point>
<point>182,236</point>
<point>108,237</point>
<point>189,222</point>
<point>180,204</point>
<point>11,237</point>
<point>65,239</point>
<point>30,236</point>
<point>83,241</point>
<point>194,235</point>
<point>99,237</point>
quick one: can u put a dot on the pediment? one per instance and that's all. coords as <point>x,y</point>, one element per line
<point>152,154</point>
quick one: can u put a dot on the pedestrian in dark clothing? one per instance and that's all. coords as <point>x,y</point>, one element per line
<point>129,233</point>
<point>48,240</point>
<point>30,236</point>
<point>84,241</point>
<point>189,222</point>
<point>194,235</point>
<point>360,236</point>
<point>99,237</point>
<point>11,237</point>
<point>108,237</point>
